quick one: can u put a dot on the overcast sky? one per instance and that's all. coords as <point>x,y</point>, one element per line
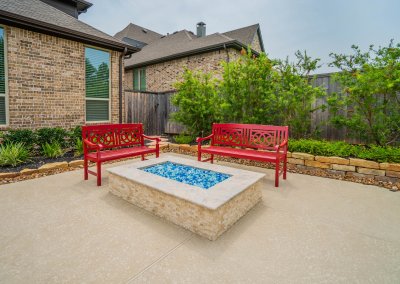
<point>318,26</point>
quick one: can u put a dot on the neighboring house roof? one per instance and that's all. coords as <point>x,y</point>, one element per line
<point>82,5</point>
<point>246,35</point>
<point>38,16</point>
<point>138,33</point>
<point>185,43</point>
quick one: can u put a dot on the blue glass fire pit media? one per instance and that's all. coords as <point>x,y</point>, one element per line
<point>187,174</point>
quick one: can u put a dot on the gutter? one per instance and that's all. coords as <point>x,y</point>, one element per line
<point>234,44</point>
<point>121,56</point>
<point>54,30</point>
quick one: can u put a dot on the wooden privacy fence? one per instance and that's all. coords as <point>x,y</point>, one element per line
<point>153,110</point>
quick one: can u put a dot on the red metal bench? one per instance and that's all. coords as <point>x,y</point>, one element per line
<point>108,142</point>
<point>264,143</point>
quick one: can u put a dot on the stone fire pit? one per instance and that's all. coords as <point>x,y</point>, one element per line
<point>207,212</point>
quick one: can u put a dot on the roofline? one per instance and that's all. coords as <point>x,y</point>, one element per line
<point>260,38</point>
<point>46,28</point>
<point>86,5</point>
<point>234,44</point>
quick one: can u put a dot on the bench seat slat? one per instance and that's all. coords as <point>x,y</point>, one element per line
<point>242,153</point>
<point>114,154</point>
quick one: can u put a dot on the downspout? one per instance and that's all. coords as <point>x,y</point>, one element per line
<point>227,53</point>
<point>122,55</point>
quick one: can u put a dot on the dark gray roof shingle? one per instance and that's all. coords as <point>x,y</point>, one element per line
<point>244,35</point>
<point>138,33</point>
<point>184,43</point>
<point>41,14</point>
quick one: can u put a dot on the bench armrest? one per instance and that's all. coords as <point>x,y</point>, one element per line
<point>283,144</point>
<point>157,139</point>
<point>92,145</point>
<point>201,139</point>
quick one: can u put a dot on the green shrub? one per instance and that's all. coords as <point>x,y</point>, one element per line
<point>253,89</point>
<point>52,135</point>
<point>197,100</point>
<point>345,150</point>
<point>24,136</point>
<point>370,89</point>
<point>13,154</point>
<point>183,139</point>
<point>52,150</point>
<point>74,134</point>
<point>381,154</point>
<point>78,147</point>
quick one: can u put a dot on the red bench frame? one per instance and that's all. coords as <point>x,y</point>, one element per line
<point>106,142</point>
<point>264,143</point>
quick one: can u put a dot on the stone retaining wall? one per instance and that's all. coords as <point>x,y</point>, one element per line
<point>357,170</point>
<point>351,167</point>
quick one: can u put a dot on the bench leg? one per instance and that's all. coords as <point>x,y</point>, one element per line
<point>143,157</point>
<point>98,173</point>
<point>284,167</point>
<point>85,169</point>
<point>199,154</point>
<point>212,158</point>
<point>277,173</point>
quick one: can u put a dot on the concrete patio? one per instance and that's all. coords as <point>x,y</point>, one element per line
<point>310,230</point>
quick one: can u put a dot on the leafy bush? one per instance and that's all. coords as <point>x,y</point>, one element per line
<point>24,136</point>
<point>370,93</point>
<point>78,147</point>
<point>345,150</point>
<point>13,154</point>
<point>381,154</point>
<point>183,139</point>
<point>75,134</point>
<point>261,90</point>
<point>197,100</point>
<point>252,90</point>
<point>52,150</point>
<point>52,135</point>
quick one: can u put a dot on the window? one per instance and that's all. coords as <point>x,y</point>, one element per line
<point>139,79</point>
<point>97,68</point>
<point>3,115</point>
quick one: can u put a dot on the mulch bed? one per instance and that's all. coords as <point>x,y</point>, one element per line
<point>291,168</point>
<point>37,162</point>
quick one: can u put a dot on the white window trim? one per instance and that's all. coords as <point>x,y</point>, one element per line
<point>5,95</point>
<point>109,88</point>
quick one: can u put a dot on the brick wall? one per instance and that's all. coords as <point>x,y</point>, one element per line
<point>256,44</point>
<point>162,76</point>
<point>46,80</point>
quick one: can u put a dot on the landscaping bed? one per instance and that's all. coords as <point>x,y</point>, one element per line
<point>385,175</point>
<point>37,162</point>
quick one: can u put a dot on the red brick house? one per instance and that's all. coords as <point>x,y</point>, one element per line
<point>55,70</point>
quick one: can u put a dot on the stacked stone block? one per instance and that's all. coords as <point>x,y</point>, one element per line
<point>351,167</point>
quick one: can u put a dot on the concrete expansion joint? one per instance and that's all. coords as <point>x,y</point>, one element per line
<point>161,258</point>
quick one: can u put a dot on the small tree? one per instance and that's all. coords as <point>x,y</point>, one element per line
<point>265,91</point>
<point>253,89</point>
<point>370,91</point>
<point>198,102</point>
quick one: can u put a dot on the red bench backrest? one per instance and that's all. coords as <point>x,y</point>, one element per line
<point>255,136</point>
<point>114,135</point>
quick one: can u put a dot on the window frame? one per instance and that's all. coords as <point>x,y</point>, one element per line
<point>138,71</point>
<point>5,95</point>
<point>109,87</point>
